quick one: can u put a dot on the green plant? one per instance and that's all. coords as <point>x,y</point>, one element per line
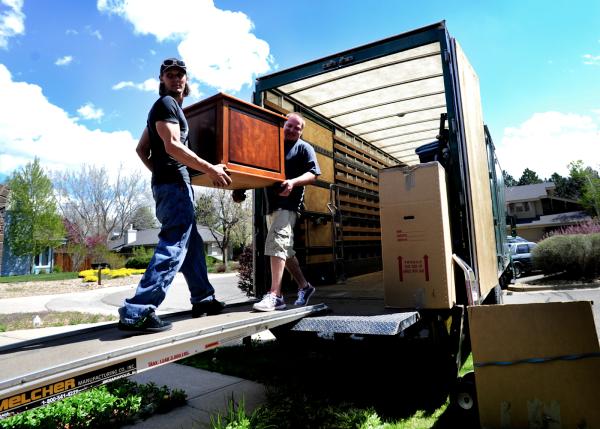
<point>246,275</point>
<point>140,258</point>
<point>577,255</point>
<point>111,405</point>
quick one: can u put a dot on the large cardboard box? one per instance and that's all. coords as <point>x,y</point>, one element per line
<point>536,365</point>
<point>415,237</point>
<point>246,138</point>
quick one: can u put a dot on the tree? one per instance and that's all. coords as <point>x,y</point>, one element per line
<point>98,205</point>
<point>529,177</point>
<point>34,222</point>
<point>589,181</point>
<point>508,179</point>
<point>215,209</point>
<point>144,218</point>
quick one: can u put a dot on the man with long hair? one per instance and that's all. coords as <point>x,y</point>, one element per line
<point>163,149</point>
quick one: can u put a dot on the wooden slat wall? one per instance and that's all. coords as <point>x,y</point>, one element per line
<point>353,167</point>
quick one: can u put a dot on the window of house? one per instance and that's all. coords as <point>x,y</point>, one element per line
<point>43,259</point>
<point>526,206</point>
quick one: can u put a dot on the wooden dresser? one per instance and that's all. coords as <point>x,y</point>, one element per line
<point>246,138</point>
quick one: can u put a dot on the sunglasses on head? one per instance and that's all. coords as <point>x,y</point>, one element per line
<point>171,62</point>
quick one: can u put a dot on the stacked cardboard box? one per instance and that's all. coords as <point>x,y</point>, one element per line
<point>416,246</point>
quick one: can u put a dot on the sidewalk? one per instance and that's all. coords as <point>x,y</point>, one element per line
<point>208,393</point>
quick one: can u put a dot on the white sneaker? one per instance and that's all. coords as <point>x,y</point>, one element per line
<point>270,302</point>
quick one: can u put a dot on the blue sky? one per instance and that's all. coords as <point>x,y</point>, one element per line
<point>77,77</point>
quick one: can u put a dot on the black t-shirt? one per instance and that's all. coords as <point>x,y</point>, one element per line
<point>165,169</point>
<point>300,157</point>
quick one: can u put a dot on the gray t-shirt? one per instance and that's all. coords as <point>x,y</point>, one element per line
<point>166,169</point>
<point>300,157</point>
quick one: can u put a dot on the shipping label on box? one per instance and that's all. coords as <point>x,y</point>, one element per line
<point>416,246</point>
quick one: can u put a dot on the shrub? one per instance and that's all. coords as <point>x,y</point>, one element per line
<point>211,260</point>
<point>246,279</point>
<point>57,269</point>
<point>588,227</point>
<point>111,405</point>
<point>140,258</point>
<point>578,255</point>
<point>90,279</point>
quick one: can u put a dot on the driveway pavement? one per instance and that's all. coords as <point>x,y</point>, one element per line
<point>106,301</point>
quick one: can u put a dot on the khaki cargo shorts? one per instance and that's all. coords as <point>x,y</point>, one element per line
<point>280,238</point>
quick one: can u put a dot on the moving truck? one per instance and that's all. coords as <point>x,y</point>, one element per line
<point>405,227</point>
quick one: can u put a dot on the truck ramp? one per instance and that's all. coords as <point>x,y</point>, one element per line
<point>45,370</point>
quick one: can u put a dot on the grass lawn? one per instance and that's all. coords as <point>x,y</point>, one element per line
<point>39,277</point>
<point>15,321</point>
<point>341,385</point>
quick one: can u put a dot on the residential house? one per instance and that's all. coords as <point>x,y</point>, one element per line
<point>537,210</point>
<point>148,238</point>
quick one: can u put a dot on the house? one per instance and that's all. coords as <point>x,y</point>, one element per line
<point>148,238</point>
<point>537,210</point>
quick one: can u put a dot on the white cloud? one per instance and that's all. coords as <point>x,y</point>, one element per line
<point>547,142</point>
<point>89,111</point>
<point>71,32</point>
<point>149,85</point>
<point>593,60</point>
<point>12,20</point>
<point>226,62</point>
<point>94,33</point>
<point>64,61</point>
<point>54,137</point>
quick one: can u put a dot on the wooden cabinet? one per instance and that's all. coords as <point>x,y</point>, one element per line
<point>246,138</point>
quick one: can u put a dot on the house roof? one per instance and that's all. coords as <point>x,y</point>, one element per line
<point>528,192</point>
<point>557,219</point>
<point>149,237</point>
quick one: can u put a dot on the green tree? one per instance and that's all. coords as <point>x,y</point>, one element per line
<point>508,179</point>
<point>529,177</point>
<point>144,218</point>
<point>589,181</point>
<point>32,212</point>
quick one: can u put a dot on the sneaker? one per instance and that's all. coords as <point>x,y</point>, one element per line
<point>270,302</point>
<point>146,325</point>
<point>207,307</point>
<point>304,295</point>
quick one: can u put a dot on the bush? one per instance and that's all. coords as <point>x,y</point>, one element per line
<point>587,227</point>
<point>57,269</point>
<point>140,258</point>
<point>578,255</point>
<point>111,405</point>
<point>211,260</point>
<point>246,276</point>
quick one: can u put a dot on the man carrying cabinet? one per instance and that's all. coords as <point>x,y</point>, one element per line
<point>163,148</point>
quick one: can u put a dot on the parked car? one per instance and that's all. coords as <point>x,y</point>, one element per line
<point>520,252</point>
<point>515,239</point>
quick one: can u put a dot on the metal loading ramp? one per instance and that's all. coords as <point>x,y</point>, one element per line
<point>39,372</point>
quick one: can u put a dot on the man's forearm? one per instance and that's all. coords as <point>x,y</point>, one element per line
<point>305,179</point>
<point>184,155</point>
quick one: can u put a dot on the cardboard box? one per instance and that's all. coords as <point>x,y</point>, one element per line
<point>246,138</point>
<point>415,230</point>
<point>559,391</point>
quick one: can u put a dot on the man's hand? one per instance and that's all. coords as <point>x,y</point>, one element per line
<point>219,176</point>
<point>238,195</point>
<point>286,188</point>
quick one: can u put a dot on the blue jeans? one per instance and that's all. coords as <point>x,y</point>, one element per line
<point>180,248</point>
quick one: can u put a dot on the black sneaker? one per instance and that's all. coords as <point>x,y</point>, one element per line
<point>208,308</point>
<point>146,325</point>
